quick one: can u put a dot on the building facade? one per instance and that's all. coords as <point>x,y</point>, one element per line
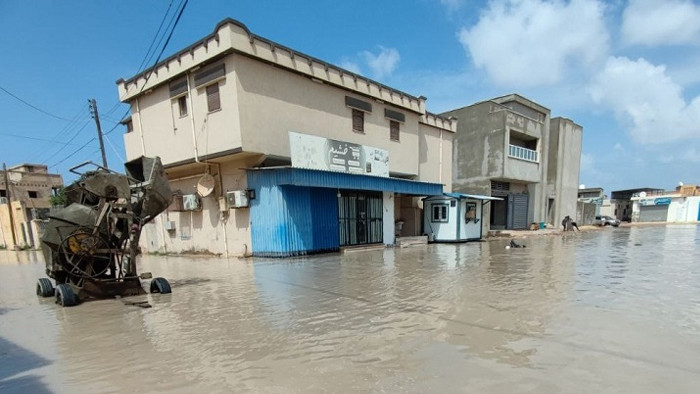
<point>509,147</point>
<point>274,152</point>
<point>28,193</point>
<point>679,206</point>
<point>621,201</point>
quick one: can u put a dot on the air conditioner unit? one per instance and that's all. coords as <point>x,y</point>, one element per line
<point>237,198</point>
<point>169,225</point>
<point>3,200</point>
<point>191,202</point>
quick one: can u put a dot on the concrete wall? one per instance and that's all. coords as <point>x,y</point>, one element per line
<point>564,166</point>
<point>435,155</point>
<point>207,230</point>
<point>21,221</point>
<point>156,118</point>
<point>684,210</point>
<point>480,150</point>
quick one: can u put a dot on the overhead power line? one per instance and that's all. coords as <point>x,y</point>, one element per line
<point>146,57</point>
<point>33,106</point>
<point>74,152</point>
<point>165,45</point>
<point>31,138</point>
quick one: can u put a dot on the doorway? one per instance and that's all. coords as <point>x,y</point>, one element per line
<point>360,218</point>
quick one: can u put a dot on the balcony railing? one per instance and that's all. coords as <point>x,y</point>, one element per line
<point>523,153</point>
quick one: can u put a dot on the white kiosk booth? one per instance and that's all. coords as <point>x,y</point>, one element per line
<point>454,217</point>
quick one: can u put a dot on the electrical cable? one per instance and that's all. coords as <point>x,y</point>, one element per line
<point>160,54</point>
<point>33,106</point>
<point>64,145</point>
<point>30,138</point>
<point>74,152</point>
<point>150,47</point>
<point>150,71</point>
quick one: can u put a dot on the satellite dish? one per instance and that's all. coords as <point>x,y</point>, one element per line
<point>642,194</point>
<point>205,185</point>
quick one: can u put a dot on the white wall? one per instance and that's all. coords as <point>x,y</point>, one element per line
<point>388,218</point>
<point>684,209</point>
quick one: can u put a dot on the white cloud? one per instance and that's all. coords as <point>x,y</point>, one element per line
<point>649,102</point>
<point>533,42</point>
<point>658,22</point>
<point>350,66</point>
<point>384,63</point>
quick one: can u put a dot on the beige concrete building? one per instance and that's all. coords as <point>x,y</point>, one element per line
<point>510,147</point>
<point>250,131</point>
<point>29,191</point>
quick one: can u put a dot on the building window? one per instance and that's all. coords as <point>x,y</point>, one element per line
<point>182,105</point>
<point>213,101</point>
<point>393,130</point>
<point>358,121</point>
<point>33,194</point>
<point>439,213</point>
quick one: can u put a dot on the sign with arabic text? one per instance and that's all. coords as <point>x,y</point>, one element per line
<point>318,153</point>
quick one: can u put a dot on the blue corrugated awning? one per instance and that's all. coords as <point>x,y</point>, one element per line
<point>340,180</point>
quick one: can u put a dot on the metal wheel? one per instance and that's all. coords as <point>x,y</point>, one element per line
<point>85,255</point>
<point>160,285</point>
<point>65,295</point>
<point>44,288</point>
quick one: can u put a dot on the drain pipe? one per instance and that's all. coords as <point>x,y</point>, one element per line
<point>138,111</point>
<point>196,158</point>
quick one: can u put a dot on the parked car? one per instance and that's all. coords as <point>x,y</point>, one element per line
<point>607,221</point>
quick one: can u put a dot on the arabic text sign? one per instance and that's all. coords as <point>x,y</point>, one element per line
<point>320,153</point>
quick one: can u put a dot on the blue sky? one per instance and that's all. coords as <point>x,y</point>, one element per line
<point>627,71</point>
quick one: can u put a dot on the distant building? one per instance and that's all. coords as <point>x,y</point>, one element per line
<point>509,147</point>
<point>592,202</point>
<point>621,201</point>
<point>272,152</point>
<point>30,189</point>
<point>678,206</point>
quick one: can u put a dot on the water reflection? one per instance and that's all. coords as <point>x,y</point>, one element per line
<point>587,309</point>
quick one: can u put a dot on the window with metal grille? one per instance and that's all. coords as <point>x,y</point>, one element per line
<point>182,105</point>
<point>213,100</point>
<point>496,185</point>
<point>439,213</point>
<point>393,130</point>
<point>358,121</point>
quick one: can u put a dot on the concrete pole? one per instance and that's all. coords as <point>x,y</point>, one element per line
<point>9,206</point>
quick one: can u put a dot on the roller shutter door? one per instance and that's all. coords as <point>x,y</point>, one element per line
<point>517,211</point>
<point>654,213</point>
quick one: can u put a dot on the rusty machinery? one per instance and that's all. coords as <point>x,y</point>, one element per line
<point>90,245</point>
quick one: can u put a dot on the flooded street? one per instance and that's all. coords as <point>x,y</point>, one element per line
<point>614,310</point>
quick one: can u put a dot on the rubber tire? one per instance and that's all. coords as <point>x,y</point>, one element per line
<point>44,288</point>
<point>65,295</point>
<point>160,285</point>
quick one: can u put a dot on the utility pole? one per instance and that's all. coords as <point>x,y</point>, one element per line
<point>9,206</point>
<point>96,116</point>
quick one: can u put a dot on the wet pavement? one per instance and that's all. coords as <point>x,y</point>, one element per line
<point>616,310</point>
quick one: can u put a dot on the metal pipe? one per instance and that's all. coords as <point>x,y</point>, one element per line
<point>138,112</point>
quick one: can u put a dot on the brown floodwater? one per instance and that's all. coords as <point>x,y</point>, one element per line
<point>615,310</point>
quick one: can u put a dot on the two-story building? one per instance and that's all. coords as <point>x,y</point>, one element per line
<point>28,194</point>
<point>510,147</point>
<point>273,152</point>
